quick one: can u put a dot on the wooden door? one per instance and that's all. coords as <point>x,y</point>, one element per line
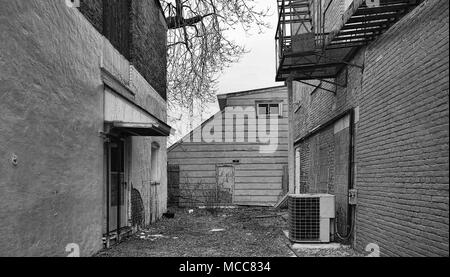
<point>225,184</point>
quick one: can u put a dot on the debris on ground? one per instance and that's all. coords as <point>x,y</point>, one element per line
<point>244,236</point>
<point>217,230</point>
<point>318,251</point>
<point>169,215</point>
<point>239,232</point>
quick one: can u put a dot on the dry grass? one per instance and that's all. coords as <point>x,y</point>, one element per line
<point>247,232</point>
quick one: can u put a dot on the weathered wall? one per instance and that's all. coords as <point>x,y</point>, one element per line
<point>154,197</point>
<point>403,138</point>
<point>51,101</point>
<point>93,11</point>
<point>401,106</point>
<point>50,97</point>
<point>148,44</point>
<point>333,9</point>
<point>258,176</point>
<point>148,38</point>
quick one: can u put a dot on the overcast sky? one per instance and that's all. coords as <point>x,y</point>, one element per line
<point>257,68</point>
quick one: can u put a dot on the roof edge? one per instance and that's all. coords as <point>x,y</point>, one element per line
<point>225,95</point>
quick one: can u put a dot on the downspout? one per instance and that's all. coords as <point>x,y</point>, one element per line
<point>108,171</point>
<point>119,183</point>
<point>351,170</point>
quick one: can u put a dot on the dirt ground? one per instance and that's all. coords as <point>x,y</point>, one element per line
<point>240,232</point>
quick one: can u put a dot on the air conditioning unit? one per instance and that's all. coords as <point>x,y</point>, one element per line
<point>311,218</point>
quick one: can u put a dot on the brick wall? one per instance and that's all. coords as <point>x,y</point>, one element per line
<point>334,12</point>
<point>402,142</point>
<point>324,168</point>
<point>148,46</point>
<point>314,107</point>
<point>93,11</point>
<point>148,38</point>
<point>401,103</point>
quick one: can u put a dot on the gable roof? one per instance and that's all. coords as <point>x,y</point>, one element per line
<point>198,128</point>
<point>222,98</point>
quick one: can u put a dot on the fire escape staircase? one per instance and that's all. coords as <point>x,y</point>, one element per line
<point>307,51</point>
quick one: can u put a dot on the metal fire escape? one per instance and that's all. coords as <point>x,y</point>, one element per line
<point>316,39</point>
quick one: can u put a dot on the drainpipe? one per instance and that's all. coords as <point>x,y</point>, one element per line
<point>119,184</point>
<point>108,170</point>
<point>351,169</point>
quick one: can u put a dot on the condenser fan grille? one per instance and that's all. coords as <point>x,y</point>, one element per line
<point>304,219</point>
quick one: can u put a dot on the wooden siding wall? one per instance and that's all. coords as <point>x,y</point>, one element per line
<point>258,176</point>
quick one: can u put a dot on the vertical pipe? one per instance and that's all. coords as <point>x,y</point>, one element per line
<point>291,155</point>
<point>119,184</point>
<point>108,196</point>
<point>351,159</point>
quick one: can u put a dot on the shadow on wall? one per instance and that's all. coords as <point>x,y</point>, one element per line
<point>137,209</point>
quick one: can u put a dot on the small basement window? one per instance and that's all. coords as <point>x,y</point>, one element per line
<point>270,109</point>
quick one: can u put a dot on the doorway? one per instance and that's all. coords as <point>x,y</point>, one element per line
<point>225,184</point>
<point>116,187</point>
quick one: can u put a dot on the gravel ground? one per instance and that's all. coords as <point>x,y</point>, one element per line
<point>332,253</point>
<point>240,232</point>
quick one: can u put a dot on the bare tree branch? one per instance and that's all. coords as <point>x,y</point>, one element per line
<point>199,47</point>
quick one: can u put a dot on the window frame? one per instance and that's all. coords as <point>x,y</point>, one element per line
<point>269,103</point>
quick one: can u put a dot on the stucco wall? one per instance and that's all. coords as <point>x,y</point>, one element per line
<point>51,101</point>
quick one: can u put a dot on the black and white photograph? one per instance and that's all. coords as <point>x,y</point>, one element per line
<point>239,130</point>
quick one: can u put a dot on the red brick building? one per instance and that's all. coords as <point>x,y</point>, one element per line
<point>369,110</point>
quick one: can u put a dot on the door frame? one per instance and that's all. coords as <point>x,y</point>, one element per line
<point>122,185</point>
<point>233,189</point>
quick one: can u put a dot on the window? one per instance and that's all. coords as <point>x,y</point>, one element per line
<point>270,109</point>
<point>155,164</point>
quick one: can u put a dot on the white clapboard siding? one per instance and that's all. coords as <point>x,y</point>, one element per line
<point>281,141</point>
<point>227,154</point>
<point>224,147</point>
<point>257,192</point>
<point>258,176</point>
<point>259,167</point>
<point>253,186</point>
<point>227,161</point>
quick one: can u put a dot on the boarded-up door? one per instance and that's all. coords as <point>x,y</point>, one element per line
<point>342,141</point>
<point>225,184</point>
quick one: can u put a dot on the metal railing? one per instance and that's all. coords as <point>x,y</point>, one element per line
<point>298,17</point>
